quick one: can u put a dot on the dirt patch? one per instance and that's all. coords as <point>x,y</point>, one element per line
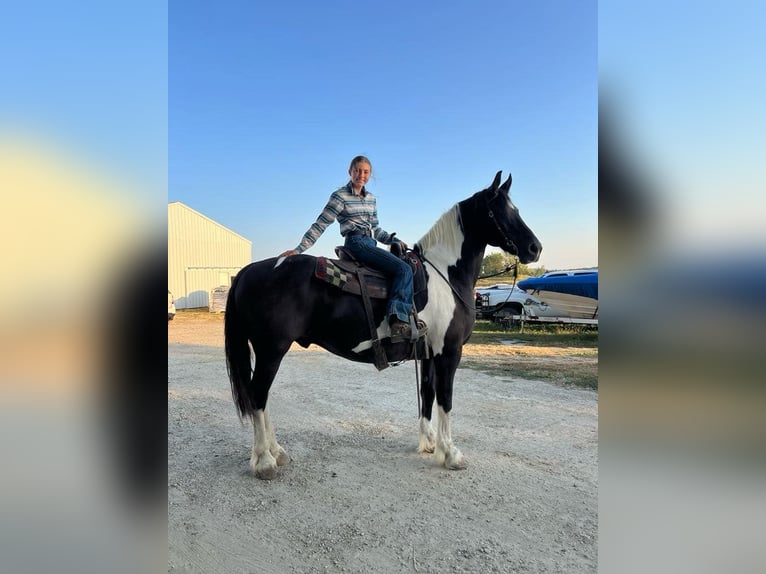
<point>356,496</point>
<point>196,328</point>
<point>203,328</point>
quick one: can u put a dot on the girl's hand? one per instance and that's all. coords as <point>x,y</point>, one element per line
<point>288,253</point>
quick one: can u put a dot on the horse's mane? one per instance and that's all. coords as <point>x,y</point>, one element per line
<point>445,232</point>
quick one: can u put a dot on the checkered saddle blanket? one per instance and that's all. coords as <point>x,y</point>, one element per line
<point>343,272</point>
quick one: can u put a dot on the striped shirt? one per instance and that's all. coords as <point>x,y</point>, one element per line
<point>353,212</point>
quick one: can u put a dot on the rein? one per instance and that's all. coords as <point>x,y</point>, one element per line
<point>424,258</point>
<point>458,295</point>
<point>503,272</point>
<point>513,286</point>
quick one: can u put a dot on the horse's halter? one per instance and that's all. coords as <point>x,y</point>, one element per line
<point>460,223</point>
<point>491,214</point>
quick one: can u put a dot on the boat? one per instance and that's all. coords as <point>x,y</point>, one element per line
<point>574,292</point>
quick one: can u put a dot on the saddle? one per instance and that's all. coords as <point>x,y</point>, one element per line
<point>352,276</point>
<point>344,273</point>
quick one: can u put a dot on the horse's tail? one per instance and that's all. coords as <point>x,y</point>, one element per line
<point>237,350</point>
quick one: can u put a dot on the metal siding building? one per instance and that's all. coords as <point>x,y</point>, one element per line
<point>202,255</point>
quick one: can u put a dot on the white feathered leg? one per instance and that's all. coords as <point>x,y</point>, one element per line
<point>427,436</point>
<point>262,462</point>
<point>446,452</point>
<point>275,448</point>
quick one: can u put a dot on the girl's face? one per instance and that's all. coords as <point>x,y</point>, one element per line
<point>360,174</point>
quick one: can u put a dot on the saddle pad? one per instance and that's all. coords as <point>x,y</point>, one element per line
<point>328,270</point>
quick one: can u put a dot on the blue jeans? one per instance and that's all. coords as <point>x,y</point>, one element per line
<point>366,251</point>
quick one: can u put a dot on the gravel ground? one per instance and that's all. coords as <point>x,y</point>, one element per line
<point>356,496</point>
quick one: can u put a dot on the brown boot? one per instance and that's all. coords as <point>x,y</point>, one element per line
<point>400,330</point>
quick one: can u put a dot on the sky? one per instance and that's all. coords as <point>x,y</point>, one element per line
<point>268,103</point>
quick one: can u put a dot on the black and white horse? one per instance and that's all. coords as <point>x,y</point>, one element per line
<point>275,302</point>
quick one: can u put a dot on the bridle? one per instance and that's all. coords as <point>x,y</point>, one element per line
<point>508,243</point>
<point>491,214</point>
<point>447,281</point>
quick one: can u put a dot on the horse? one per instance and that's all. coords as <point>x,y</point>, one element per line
<point>277,301</point>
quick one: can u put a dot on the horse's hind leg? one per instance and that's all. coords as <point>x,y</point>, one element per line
<point>267,454</point>
<point>262,462</point>
<point>275,448</point>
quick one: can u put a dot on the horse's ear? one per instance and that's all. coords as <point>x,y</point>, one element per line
<point>495,183</point>
<point>506,187</point>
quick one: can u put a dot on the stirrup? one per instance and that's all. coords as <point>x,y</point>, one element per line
<point>418,329</point>
<point>401,332</point>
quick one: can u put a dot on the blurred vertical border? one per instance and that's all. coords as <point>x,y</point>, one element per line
<point>683,294</point>
<point>83,173</point>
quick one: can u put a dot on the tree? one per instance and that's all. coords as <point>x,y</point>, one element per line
<point>531,272</point>
<point>496,263</point>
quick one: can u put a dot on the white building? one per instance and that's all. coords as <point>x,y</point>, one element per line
<point>202,255</point>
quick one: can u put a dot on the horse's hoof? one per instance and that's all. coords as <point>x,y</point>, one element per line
<point>282,458</point>
<point>267,473</point>
<point>265,468</point>
<point>452,459</point>
<point>456,464</point>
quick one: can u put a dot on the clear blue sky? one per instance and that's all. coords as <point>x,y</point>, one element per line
<point>234,109</point>
<point>249,112</point>
<point>268,102</point>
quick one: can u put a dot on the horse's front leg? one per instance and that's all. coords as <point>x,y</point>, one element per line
<point>426,433</point>
<point>446,452</point>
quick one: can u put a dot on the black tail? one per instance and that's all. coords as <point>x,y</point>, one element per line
<point>238,355</point>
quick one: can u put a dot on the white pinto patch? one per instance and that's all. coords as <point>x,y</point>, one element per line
<point>383,331</point>
<point>442,246</point>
